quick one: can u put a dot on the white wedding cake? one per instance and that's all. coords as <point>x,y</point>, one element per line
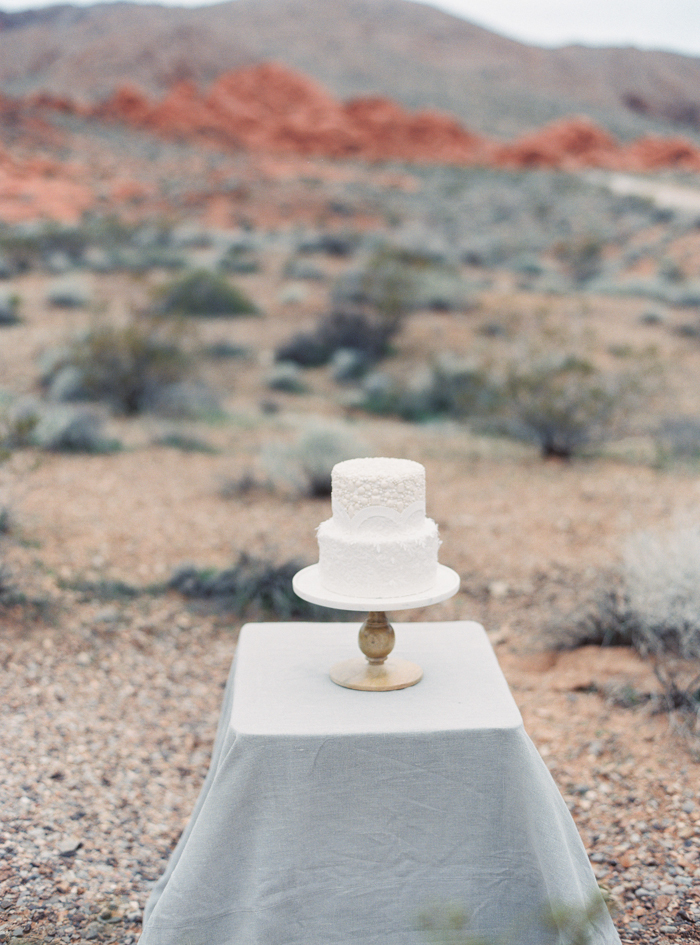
<point>379,542</point>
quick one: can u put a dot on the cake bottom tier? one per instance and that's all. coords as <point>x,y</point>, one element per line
<point>362,565</point>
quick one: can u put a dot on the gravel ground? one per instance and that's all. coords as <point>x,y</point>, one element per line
<point>108,716</point>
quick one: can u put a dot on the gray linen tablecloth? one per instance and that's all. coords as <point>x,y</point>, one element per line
<point>336,817</point>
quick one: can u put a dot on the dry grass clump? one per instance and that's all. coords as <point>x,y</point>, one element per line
<point>652,603</point>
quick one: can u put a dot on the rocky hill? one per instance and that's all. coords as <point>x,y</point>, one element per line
<point>419,56</point>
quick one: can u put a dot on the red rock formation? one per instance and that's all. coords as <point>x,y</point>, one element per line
<point>286,118</point>
<point>34,190</point>
<point>571,143</point>
<point>652,153</point>
<point>128,105</point>
<point>184,113</point>
<point>271,108</point>
<point>388,131</point>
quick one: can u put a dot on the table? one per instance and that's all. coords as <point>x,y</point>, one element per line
<point>336,817</point>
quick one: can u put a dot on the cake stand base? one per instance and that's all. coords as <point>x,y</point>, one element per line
<point>376,677</point>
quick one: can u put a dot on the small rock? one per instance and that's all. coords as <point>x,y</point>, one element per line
<point>93,930</point>
<point>498,589</point>
<point>69,845</point>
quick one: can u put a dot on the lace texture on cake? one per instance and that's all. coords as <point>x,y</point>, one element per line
<point>380,518</point>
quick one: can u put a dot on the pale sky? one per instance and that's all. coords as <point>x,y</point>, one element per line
<point>648,24</point>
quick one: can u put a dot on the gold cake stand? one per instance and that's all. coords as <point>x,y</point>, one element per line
<point>375,673</point>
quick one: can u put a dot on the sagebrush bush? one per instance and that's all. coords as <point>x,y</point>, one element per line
<point>305,465</point>
<point>661,575</point>
<point>395,282</point>
<point>125,366</point>
<point>385,286</point>
<point>252,585</point>
<point>563,403</point>
<point>9,308</point>
<point>679,438</point>
<point>368,335</point>
<point>62,429</point>
<point>582,257</point>
<point>652,603</point>
<point>205,294</point>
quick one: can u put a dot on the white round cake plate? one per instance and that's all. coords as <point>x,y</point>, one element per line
<point>307,585</point>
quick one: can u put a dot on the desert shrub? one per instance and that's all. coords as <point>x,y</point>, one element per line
<point>32,423</point>
<point>347,365</point>
<point>8,593</point>
<point>368,335</point>
<point>71,430</point>
<point>286,376</point>
<point>183,400</point>
<point>385,285</point>
<point>250,585</point>
<point>396,281</point>
<point>205,294</point>
<point>303,269</point>
<point>563,403</point>
<point>17,423</point>
<point>653,604</point>
<point>225,350</point>
<point>305,465</point>
<point>184,442</point>
<point>240,260</point>
<point>126,366</point>
<point>582,257</point>
<point>69,293</point>
<point>9,308</point>
<point>338,244</point>
<point>679,438</point>
<point>6,520</point>
<point>448,389</point>
<point>662,588</point>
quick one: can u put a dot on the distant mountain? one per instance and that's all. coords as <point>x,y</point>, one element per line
<point>413,53</point>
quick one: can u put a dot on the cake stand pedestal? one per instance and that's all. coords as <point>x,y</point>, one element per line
<point>375,673</point>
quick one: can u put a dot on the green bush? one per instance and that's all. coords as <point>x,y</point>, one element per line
<point>126,366</point>
<point>204,294</point>
<point>386,286</point>
<point>563,404</point>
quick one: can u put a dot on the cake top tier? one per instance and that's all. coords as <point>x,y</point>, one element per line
<point>377,481</point>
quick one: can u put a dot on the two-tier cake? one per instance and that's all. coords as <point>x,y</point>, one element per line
<point>378,542</point>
